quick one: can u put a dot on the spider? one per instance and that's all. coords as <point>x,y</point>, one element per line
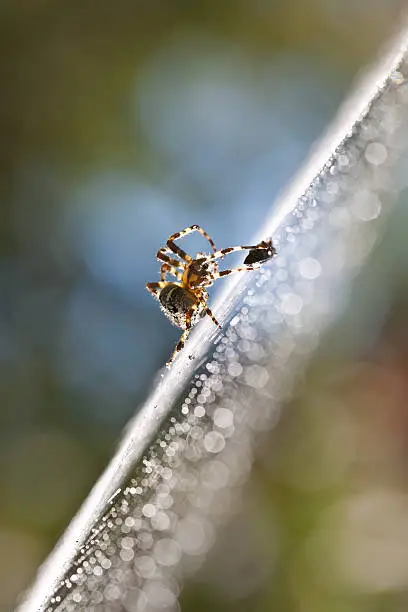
<point>185,300</point>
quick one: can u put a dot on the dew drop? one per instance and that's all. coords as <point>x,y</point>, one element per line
<point>291,304</point>
<point>145,566</point>
<point>256,376</point>
<point>214,442</point>
<point>376,153</point>
<point>310,268</point>
<point>167,552</point>
<point>223,418</point>
<point>367,208</point>
<point>234,369</point>
<point>149,510</point>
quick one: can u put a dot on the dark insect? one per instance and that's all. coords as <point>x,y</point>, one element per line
<point>263,252</point>
<point>185,300</point>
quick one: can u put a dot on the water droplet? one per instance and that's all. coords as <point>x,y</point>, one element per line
<point>112,592</point>
<point>193,535</point>
<point>167,552</point>
<point>135,600</point>
<point>199,411</point>
<point>256,376</point>
<point>223,418</point>
<point>215,474</point>
<point>127,542</point>
<point>367,206</point>
<point>397,77</point>
<point>343,160</point>
<point>234,369</point>
<point>161,521</point>
<point>291,304</point>
<point>126,555</point>
<point>158,595</point>
<point>145,566</point>
<point>214,442</point>
<point>149,510</point>
<point>376,153</point>
<point>310,268</point>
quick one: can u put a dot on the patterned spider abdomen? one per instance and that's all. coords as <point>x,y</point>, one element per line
<point>177,302</point>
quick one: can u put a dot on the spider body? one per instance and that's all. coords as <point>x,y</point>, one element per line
<point>200,272</point>
<point>185,300</point>
<point>176,302</point>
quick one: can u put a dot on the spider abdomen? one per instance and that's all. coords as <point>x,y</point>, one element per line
<point>176,302</point>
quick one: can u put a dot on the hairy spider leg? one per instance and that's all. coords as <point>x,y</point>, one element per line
<point>223,273</point>
<point>184,336</point>
<point>223,252</point>
<point>203,299</point>
<point>210,314</point>
<point>176,263</point>
<point>155,288</point>
<point>172,246</point>
<point>190,230</point>
<point>187,331</point>
<point>167,269</point>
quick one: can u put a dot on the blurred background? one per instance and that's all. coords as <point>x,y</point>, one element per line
<point>122,123</point>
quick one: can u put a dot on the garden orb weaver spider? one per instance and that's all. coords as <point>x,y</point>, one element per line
<point>185,300</point>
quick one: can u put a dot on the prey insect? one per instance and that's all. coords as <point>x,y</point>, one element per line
<point>185,300</point>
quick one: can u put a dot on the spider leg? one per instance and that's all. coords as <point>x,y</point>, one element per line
<point>170,245</point>
<point>173,247</point>
<point>184,336</point>
<point>167,269</point>
<point>234,271</point>
<point>190,230</point>
<point>155,288</point>
<point>161,256</point>
<point>203,297</point>
<point>210,314</point>
<point>262,246</point>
